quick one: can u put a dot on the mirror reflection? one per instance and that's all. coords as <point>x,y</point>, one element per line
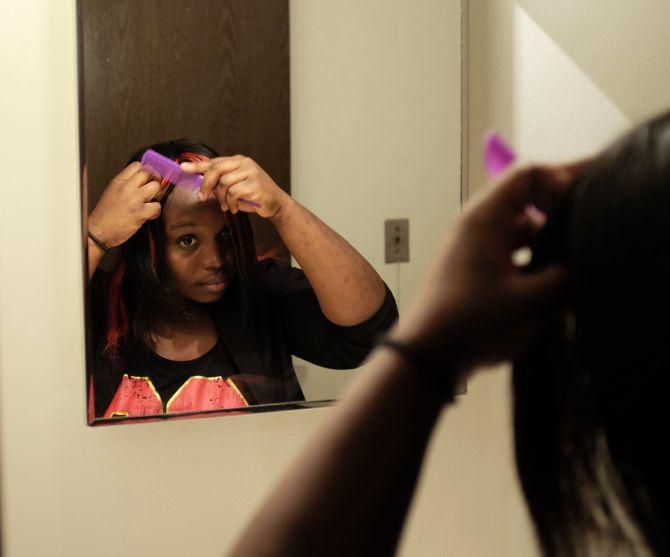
<point>188,312</point>
<point>192,318</point>
<point>236,264</point>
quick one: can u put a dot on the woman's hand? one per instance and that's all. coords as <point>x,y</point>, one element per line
<point>126,204</point>
<point>476,306</point>
<point>239,185</point>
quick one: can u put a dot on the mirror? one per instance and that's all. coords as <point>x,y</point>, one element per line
<point>260,277</point>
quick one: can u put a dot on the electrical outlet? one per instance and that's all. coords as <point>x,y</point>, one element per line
<point>396,240</point>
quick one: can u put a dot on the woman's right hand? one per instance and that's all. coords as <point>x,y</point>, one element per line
<point>128,201</point>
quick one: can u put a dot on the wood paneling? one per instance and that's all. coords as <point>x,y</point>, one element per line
<point>214,71</point>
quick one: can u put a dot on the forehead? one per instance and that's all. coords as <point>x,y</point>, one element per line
<point>184,207</point>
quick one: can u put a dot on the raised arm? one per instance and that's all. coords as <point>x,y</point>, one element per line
<point>349,490</point>
<point>348,288</point>
<point>127,202</point>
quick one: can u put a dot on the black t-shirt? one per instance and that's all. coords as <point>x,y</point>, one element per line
<point>168,375</point>
<point>255,344</point>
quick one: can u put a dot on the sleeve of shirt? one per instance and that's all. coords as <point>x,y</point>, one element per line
<point>310,335</point>
<point>98,311</point>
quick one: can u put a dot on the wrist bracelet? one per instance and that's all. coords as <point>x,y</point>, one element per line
<point>433,371</point>
<point>98,243</point>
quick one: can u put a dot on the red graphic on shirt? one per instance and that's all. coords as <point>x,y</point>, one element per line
<point>136,396</point>
<point>205,393</point>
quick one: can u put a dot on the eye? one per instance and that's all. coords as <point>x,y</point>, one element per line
<point>187,241</point>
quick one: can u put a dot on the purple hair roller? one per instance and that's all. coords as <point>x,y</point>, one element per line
<point>497,155</point>
<point>164,167</point>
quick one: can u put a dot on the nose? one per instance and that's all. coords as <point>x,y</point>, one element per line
<point>212,259</point>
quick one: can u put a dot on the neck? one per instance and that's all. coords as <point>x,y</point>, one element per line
<point>185,337</point>
<point>195,318</point>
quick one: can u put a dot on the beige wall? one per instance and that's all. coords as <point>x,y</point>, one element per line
<point>559,79</point>
<point>376,131</point>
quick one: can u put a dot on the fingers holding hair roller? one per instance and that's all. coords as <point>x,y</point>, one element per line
<point>212,171</point>
<point>121,209</point>
<point>239,184</point>
<point>151,190</point>
<point>498,305</point>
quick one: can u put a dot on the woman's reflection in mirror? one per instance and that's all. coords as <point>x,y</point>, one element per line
<point>191,318</point>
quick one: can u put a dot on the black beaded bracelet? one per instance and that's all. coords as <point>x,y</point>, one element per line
<point>418,361</point>
<point>98,243</point>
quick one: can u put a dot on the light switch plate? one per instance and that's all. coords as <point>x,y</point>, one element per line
<point>396,240</point>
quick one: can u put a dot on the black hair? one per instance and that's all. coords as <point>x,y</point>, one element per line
<point>590,396</point>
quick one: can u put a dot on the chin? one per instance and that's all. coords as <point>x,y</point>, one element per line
<point>206,297</point>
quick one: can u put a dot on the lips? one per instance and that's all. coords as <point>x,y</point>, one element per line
<point>215,283</point>
<point>214,286</point>
<point>212,281</point>
<point>221,276</point>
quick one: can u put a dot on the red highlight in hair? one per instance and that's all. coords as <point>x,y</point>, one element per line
<point>117,313</point>
<point>152,251</point>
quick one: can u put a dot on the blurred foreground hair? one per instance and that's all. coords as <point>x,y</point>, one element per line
<point>591,397</point>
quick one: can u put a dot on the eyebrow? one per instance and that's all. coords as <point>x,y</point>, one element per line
<point>182,225</point>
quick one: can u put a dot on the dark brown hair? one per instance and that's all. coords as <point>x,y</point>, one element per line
<point>590,398</point>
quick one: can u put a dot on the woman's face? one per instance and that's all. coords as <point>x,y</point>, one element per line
<point>198,249</point>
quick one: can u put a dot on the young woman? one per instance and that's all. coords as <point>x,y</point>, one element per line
<point>586,321</point>
<point>192,319</point>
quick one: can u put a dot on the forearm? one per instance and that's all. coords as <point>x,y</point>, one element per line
<point>349,492</point>
<point>348,288</point>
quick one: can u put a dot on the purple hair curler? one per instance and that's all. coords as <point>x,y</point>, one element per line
<point>497,155</point>
<point>164,167</point>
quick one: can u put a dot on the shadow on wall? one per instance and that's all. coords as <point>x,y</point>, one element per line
<point>489,90</point>
<point>622,46</point>
<point>558,80</point>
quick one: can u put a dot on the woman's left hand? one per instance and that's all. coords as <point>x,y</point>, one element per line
<point>477,306</point>
<point>239,184</point>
